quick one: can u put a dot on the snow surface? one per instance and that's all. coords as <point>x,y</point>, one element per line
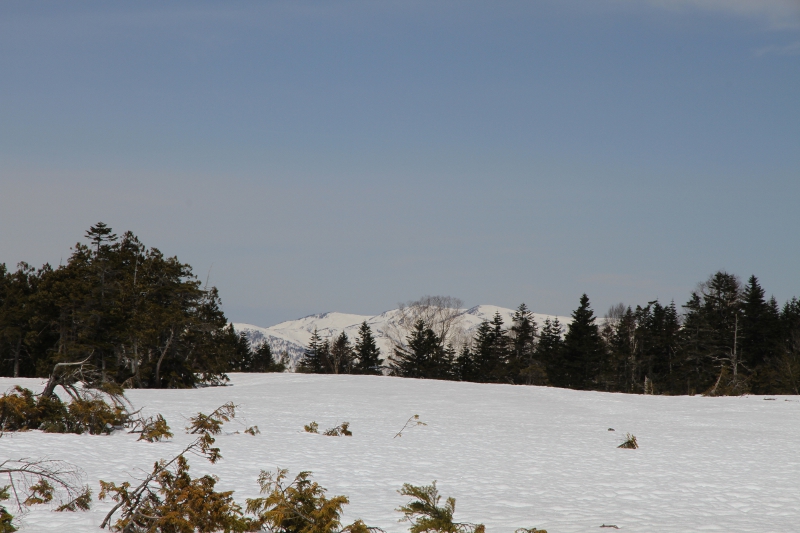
<point>512,456</point>
<point>293,336</point>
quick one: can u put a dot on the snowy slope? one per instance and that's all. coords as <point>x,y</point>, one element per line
<point>292,336</point>
<point>512,456</point>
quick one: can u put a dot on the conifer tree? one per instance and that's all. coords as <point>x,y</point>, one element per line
<point>524,366</point>
<point>760,334</point>
<point>465,368</point>
<point>314,357</point>
<point>787,374</point>
<point>711,333</point>
<point>550,350</point>
<point>490,351</point>
<point>341,355</point>
<point>583,352</point>
<point>422,357</point>
<point>367,354</point>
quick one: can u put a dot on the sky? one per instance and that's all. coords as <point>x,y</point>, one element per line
<point>307,157</point>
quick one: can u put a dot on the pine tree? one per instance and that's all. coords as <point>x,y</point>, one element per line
<point>623,362</point>
<point>465,368</point>
<point>313,361</point>
<point>760,334</point>
<point>787,374</point>
<point>341,355</point>
<point>550,350</point>
<point>367,353</point>
<point>524,366</point>
<point>422,355</point>
<point>711,334</point>
<point>490,351</point>
<point>584,352</point>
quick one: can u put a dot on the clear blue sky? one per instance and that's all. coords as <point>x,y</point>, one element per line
<point>320,156</point>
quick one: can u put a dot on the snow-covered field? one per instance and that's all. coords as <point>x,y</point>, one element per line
<point>512,456</point>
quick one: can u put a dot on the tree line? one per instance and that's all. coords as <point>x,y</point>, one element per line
<point>135,316</point>
<point>141,319</point>
<point>728,339</point>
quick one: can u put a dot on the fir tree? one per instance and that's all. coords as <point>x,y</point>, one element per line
<point>422,357</point>
<point>490,351</point>
<point>367,354</point>
<point>550,349</point>
<point>583,352</point>
<point>524,366</point>
<point>341,355</point>
<point>313,361</point>
<point>760,334</point>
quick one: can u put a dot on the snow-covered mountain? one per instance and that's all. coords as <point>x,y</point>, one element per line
<point>293,336</point>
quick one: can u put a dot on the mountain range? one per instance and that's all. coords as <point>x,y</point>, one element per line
<point>293,336</point>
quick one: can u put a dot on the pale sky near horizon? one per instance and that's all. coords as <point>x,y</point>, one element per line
<point>346,156</point>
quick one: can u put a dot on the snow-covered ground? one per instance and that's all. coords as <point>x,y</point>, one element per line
<point>512,456</point>
<point>292,336</point>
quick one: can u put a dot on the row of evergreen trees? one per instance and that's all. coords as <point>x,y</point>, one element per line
<point>138,317</point>
<point>730,339</point>
<point>144,320</point>
<point>341,356</point>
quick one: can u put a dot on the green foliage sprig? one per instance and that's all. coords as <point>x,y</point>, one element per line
<point>212,424</point>
<point>152,429</point>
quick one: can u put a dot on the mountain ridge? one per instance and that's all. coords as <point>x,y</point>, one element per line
<point>292,336</point>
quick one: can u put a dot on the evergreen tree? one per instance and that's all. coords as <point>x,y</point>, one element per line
<point>16,335</point>
<point>583,352</point>
<point>341,355</point>
<point>760,335</point>
<point>367,354</point>
<point>550,350</point>
<point>623,363</point>
<point>465,368</point>
<point>264,360</point>
<point>314,356</point>
<point>524,366</point>
<point>787,374</point>
<point>422,357</point>
<point>711,334</point>
<point>127,311</point>
<point>490,351</point>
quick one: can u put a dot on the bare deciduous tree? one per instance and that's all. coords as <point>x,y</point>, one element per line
<point>443,314</point>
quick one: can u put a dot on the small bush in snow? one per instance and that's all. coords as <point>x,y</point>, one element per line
<point>630,443</point>
<point>427,516</point>
<point>5,517</point>
<point>298,507</point>
<point>171,500</point>
<point>22,410</point>
<point>342,430</point>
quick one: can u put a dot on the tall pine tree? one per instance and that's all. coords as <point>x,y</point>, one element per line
<point>367,354</point>
<point>584,351</point>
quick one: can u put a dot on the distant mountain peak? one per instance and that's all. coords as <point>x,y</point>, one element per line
<point>293,336</point>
